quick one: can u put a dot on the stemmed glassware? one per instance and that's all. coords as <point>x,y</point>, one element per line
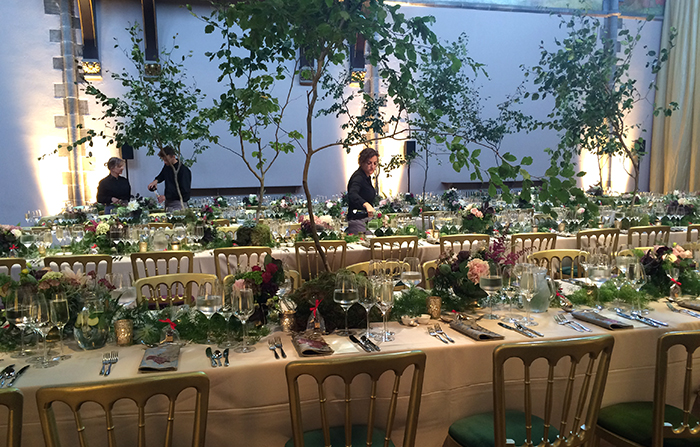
<point>345,294</point>
<point>227,311</point>
<point>209,302</point>
<point>59,317</point>
<point>384,288</point>
<point>410,273</point>
<point>17,312</point>
<point>527,287</point>
<point>27,239</point>
<point>623,263</point>
<point>41,318</point>
<point>491,283</point>
<point>368,299</point>
<point>637,278</point>
<point>243,307</point>
<point>393,268</point>
<point>510,289</point>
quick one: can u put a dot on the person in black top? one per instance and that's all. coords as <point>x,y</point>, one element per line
<point>113,190</point>
<point>167,175</point>
<point>361,193</point>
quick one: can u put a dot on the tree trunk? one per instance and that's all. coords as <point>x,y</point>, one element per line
<point>261,192</point>
<point>310,208</point>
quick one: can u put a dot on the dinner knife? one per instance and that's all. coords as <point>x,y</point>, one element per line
<point>527,329</point>
<point>630,317</point>
<point>525,333</point>
<point>226,357</point>
<point>362,345</point>
<point>370,343</point>
<point>17,374</point>
<point>6,374</point>
<point>660,323</point>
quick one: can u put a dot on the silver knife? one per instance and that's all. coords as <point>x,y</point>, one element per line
<point>370,343</point>
<point>525,333</point>
<point>630,317</point>
<point>660,323</point>
<point>525,328</point>
<point>362,345</point>
<point>17,374</point>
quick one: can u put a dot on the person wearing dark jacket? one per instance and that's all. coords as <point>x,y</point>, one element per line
<point>113,190</point>
<point>361,193</point>
<point>167,175</point>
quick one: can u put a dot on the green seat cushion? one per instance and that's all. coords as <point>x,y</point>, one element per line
<point>314,438</point>
<point>632,420</point>
<point>477,430</point>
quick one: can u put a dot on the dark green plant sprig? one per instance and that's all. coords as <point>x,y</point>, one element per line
<point>412,302</point>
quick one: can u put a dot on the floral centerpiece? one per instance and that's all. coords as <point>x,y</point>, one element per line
<point>390,205</point>
<point>450,199</point>
<point>264,280</point>
<point>250,200</point>
<point>324,228</point>
<point>477,219</point>
<point>9,241</point>
<point>285,208</point>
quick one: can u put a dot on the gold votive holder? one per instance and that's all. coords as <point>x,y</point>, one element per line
<point>124,331</point>
<point>434,306</point>
<point>175,247</point>
<point>143,247</point>
<point>287,320</point>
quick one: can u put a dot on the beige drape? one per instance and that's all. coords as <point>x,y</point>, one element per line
<point>675,144</point>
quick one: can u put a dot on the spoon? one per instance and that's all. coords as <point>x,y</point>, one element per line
<point>217,356</point>
<point>211,358</point>
<point>226,357</point>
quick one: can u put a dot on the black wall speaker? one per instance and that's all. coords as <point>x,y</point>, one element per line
<point>409,147</point>
<point>127,152</point>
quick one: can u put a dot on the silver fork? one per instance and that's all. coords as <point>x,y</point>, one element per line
<point>683,311</point>
<point>271,346</point>
<point>105,360</point>
<point>432,332</point>
<point>561,319</point>
<point>439,330</point>
<point>278,345</point>
<point>114,358</point>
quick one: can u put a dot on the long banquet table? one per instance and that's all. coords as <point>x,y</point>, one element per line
<point>248,401</point>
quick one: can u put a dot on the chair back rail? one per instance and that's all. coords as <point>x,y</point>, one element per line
<point>231,260</point>
<point>153,263</point>
<point>10,264</point>
<point>138,390</point>
<point>101,264</point>
<point>429,273</point>
<point>398,247</point>
<point>347,370</point>
<point>166,290</point>
<point>460,242</point>
<point>557,261</point>
<point>308,259</point>
<point>648,236</point>
<point>598,237</point>
<point>531,243</point>
<point>13,399</point>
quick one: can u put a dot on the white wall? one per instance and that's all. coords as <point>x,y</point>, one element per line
<point>501,40</point>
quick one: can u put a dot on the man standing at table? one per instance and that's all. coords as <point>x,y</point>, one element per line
<point>167,175</point>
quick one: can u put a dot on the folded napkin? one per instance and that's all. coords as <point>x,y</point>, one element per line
<point>599,320</point>
<point>689,304</point>
<point>475,331</point>
<point>161,358</point>
<point>311,344</point>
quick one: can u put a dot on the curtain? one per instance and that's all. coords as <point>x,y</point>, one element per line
<point>675,142</point>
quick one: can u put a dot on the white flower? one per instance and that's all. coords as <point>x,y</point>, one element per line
<point>580,211</point>
<point>102,228</point>
<point>133,205</point>
<point>683,201</point>
<point>382,202</point>
<point>329,204</point>
<point>16,232</point>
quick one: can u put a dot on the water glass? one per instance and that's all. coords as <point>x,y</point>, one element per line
<point>243,307</point>
<point>410,275</point>
<point>60,314</point>
<point>41,319</point>
<point>345,294</point>
<point>527,282</point>
<point>385,301</point>
<point>208,302</point>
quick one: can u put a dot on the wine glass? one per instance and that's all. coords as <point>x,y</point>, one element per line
<point>637,278</point>
<point>17,312</point>
<point>384,289</point>
<point>243,307</point>
<point>376,268</point>
<point>410,273</point>
<point>393,268</point>
<point>227,311</point>
<point>491,283</point>
<point>41,318</point>
<point>345,294</point>
<point>528,287</point>
<point>367,299</point>
<point>208,302</point>
<point>179,234</point>
<point>59,317</point>
<point>27,239</point>
<point>510,289</point>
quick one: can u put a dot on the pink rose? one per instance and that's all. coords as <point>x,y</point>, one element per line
<point>477,213</point>
<point>682,253</point>
<point>477,269</point>
<point>239,284</point>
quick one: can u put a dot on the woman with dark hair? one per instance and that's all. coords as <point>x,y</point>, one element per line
<point>361,193</point>
<point>113,190</point>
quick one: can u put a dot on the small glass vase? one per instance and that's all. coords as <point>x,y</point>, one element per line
<point>91,327</point>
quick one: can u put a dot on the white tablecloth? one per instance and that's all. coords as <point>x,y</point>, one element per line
<point>248,402</point>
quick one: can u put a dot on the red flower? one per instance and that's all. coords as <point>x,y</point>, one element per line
<point>267,277</point>
<point>256,268</point>
<point>271,267</point>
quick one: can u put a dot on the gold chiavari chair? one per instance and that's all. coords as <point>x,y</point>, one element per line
<point>607,238</point>
<point>173,289</point>
<point>532,242</point>
<point>648,235</point>
<point>357,371</point>
<point>631,251</point>
<point>693,234</point>
<point>18,264</point>
<point>571,403</point>
<point>152,263</point>
<point>309,261</point>
<point>231,260</point>
<point>361,268</point>
<point>100,264</point>
<point>658,423</point>
<point>13,400</point>
<point>140,391</point>
<point>160,225</point>
<point>398,247</point>
<point>221,222</point>
<point>460,242</point>
<point>429,273</point>
<point>560,263</point>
